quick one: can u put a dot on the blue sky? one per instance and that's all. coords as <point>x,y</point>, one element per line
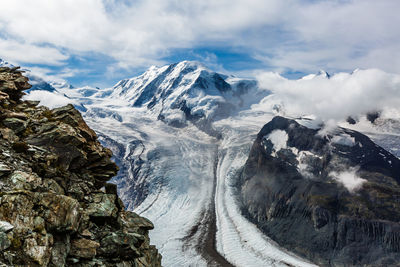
<point>99,42</point>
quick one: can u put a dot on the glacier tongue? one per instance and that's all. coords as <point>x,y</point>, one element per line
<point>187,182</point>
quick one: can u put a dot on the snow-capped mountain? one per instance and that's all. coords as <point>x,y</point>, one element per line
<point>4,63</point>
<point>181,133</point>
<point>185,91</point>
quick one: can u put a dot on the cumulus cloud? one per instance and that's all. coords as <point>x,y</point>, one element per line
<point>334,99</point>
<point>349,179</point>
<point>49,75</point>
<point>295,34</point>
<point>24,52</point>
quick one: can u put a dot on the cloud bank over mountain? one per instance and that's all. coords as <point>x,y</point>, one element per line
<point>335,97</point>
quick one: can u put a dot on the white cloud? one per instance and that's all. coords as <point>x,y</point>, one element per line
<point>349,179</point>
<point>17,52</point>
<point>295,34</point>
<point>342,95</point>
<point>48,75</point>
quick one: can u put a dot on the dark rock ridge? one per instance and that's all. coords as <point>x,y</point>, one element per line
<point>334,199</point>
<point>56,208</point>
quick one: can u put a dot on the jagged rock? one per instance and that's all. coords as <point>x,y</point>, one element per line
<point>61,213</point>
<point>12,83</point>
<point>84,248</point>
<point>38,248</point>
<point>103,206</point>
<point>17,125</point>
<point>4,169</point>
<point>24,181</point>
<point>55,206</point>
<point>333,198</point>
<point>131,222</point>
<point>9,135</point>
<point>5,227</point>
<point>60,250</point>
<point>5,242</point>
<point>121,245</point>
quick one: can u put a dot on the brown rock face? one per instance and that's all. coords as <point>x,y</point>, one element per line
<point>56,208</point>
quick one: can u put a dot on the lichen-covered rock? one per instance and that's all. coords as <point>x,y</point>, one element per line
<point>102,206</point>
<point>60,212</point>
<point>37,248</point>
<point>121,245</point>
<point>84,248</point>
<point>56,208</point>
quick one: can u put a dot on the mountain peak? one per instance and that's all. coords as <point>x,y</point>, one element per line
<point>183,91</point>
<point>6,64</point>
<point>323,74</point>
<point>191,64</point>
<point>320,73</point>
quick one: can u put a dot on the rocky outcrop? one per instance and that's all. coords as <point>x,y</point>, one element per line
<point>56,207</point>
<point>330,196</point>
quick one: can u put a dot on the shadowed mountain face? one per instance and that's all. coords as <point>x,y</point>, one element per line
<point>333,198</point>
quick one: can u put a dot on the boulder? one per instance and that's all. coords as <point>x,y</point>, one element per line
<point>103,206</point>
<point>83,248</point>
<point>121,245</point>
<point>17,125</point>
<point>61,213</point>
<point>5,227</point>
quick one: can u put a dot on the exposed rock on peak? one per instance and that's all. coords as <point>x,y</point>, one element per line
<point>56,208</point>
<point>331,196</point>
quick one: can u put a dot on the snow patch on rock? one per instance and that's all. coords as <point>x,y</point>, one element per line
<point>278,139</point>
<point>344,140</point>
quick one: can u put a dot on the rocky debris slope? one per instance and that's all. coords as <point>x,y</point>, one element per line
<point>330,196</point>
<point>56,208</point>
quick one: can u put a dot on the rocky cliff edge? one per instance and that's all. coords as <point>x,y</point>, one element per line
<point>56,207</point>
